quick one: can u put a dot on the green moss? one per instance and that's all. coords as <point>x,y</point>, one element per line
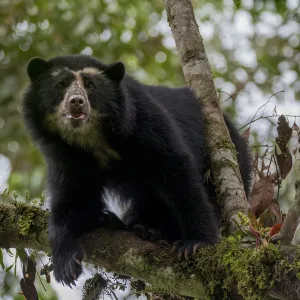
<point>230,264</point>
<point>25,222</point>
<point>32,220</point>
<point>296,265</point>
<point>6,219</point>
<point>220,268</point>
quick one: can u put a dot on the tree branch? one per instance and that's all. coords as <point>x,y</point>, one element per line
<point>225,269</point>
<point>198,75</point>
<point>25,226</point>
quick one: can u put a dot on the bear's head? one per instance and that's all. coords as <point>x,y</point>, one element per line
<point>70,96</point>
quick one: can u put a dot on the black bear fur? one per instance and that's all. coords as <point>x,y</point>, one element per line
<point>151,149</point>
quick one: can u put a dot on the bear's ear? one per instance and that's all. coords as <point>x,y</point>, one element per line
<point>37,66</point>
<point>115,71</point>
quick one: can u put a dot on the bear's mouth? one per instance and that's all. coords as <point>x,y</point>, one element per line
<point>76,115</point>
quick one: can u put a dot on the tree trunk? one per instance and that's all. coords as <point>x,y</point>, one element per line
<point>198,75</point>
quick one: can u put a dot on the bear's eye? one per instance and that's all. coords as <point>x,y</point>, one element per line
<point>61,85</point>
<point>90,85</point>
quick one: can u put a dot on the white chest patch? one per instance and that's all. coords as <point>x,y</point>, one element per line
<point>114,203</point>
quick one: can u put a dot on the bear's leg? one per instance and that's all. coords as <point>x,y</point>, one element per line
<point>68,222</point>
<point>184,195</point>
<point>151,219</point>
<point>146,216</point>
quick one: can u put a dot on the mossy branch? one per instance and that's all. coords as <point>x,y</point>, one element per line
<point>225,270</point>
<point>198,75</point>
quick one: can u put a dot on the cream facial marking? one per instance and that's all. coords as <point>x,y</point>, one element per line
<point>79,80</point>
<point>91,71</point>
<point>88,70</point>
<point>58,71</point>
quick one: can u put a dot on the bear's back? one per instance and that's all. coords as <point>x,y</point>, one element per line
<point>181,106</point>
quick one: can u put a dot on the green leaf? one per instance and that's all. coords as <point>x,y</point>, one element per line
<point>237,3</point>
<point>238,225</point>
<point>250,238</point>
<point>22,254</point>
<point>5,194</point>
<point>27,195</point>
<point>9,268</point>
<point>15,195</point>
<point>9,252</point>
<point>34,201</point>
<point>281,6</point>
<point>15,269</point>
<point>1,259</point>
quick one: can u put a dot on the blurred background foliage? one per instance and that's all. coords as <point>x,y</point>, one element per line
<point>253,51</point>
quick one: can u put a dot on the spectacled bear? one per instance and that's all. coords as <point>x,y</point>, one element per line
<point>98,129</point>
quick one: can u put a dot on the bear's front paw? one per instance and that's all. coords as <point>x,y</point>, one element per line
<point>188,247</point>
<point>67,265</point>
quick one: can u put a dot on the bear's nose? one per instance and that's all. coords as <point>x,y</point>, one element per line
<point>76,100</point>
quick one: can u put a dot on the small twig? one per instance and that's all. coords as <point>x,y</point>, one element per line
<point>278,178</point>
<point>262,106</point>
<point>256,235</point>
<point>261,146</point>
<point>37,273</point>
<point>113,293</point>
<point>229,96</point>
<point>269,101</point>
<point>268,170</point>
<point>266,117</point>
<point>291,220</point>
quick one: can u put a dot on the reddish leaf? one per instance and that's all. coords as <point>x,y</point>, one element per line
<point>262,195</point>
<point>256,234</point>
<point>295,126</point>
<point>28,289</point>
<point>246,135</point>
<point>283,155</point>
<point>275,210</point>
<point>252,218</point>
<point>284,161</point>
<point>295,151</point>
<point>284,131</point>
<point>275,229</point>
<point>267,219</point>
<point>29,269</point>
<point>48,278</point>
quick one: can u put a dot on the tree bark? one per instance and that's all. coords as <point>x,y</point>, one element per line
<point>198,75</point>
<point>217,271</point>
